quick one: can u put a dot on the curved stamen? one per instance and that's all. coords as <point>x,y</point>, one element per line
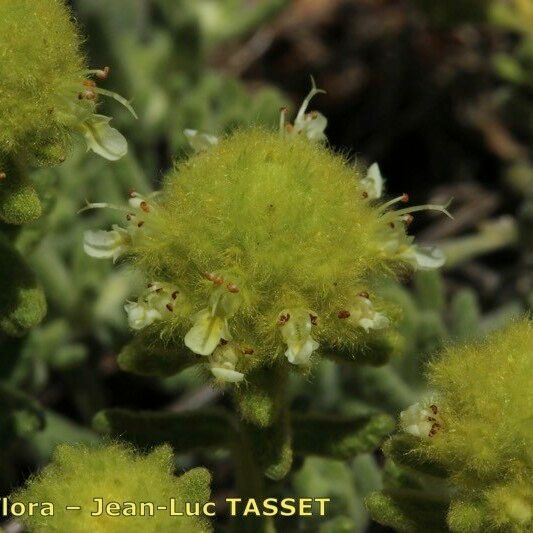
<point>118,98</point>
<point>104,205</point>
<point>303,108</point>
<point>403,198</point>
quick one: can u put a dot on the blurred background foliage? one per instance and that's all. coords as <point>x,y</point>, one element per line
<point>440,93</point>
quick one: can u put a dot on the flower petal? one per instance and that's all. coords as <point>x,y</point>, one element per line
<point>227,374</point>
<point>363,314</point>
<point>104,244</point>
<point>428,257</point>
<point>206,333</point>
<point>140,315</point>
<point>373,182</point>
<point>313,125</point>
<point>102,139</point>
<point>200,142</point>
<point>299,353</point>
<point>296,332</point>
<point>421,419</point>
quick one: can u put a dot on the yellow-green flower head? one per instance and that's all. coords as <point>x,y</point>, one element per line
<point>45,89</point>
<point>264,246</point>
<point>479,427</point>
<point>115,473</point>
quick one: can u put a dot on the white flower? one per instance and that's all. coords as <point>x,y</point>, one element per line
<point>222,364</point>
<point>296,326</point>
<point>157,301</point>
<point>312,124</point>
<point>200,142</point>
<point>106,244</point>
<point>363,314</point>
<point>211,324</point>
<point>421,420</point>
<point>424,257</point>
<point>372,183</point>
<point>399,244</point>
<point>207,332</point>
<point>102,139</point>
<point>141,314</point>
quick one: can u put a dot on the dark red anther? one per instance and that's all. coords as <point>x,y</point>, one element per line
<point>144,206</point>
<point>344,313</point>
<point>248,351</point>
<point>170,307</point>
<point>103,73</point>
<point>314,319</point>
<point>217,280</point>
<point>434,428</point>
<point>365,195</point>
<point>140,224</point>
<point>405,197</point>
<point>283,319</point>
<point>174,295</point>
<point>233,288</point>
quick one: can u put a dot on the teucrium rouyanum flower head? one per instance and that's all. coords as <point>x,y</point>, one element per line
<point>115,473</point>
<point>270,243</point>
<point>478,429</point>
<point>46,93</point>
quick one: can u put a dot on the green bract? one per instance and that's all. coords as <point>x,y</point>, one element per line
<point>264,245</point>
<point>45,93</point>
<point>115,473</point>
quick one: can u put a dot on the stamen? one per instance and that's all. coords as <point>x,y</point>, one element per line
<point>390,203</point>
<point>140,224</point>
<point>314,319</point>
<point>174,295</point>
<point>170,307</point>
<point>233,288</point>
<point>344,313</point>
<point>282,119</point>
<point>364,294</point>
<point>144,206</point>
<point>217,280</point>
<point>3,175</point>
<point>283,319</point>
<point>247,351</point>
<point>103,205</point>
<point>118,98</point>
<point>100,73</point>
<point>426,207</point>
<point>87,95</point>
<point>303,108</point>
